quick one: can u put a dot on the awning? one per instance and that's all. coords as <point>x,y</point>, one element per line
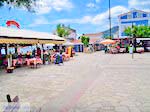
<point>18,36</point>
<point>68,43</point>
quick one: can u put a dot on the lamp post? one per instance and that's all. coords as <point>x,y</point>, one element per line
<point>109,19</point>
<point>133,40</point>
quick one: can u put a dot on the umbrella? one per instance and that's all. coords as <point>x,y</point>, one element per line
<point>108,41</point>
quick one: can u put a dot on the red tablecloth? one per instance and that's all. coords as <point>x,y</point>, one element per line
<point>35,61</point>
<point>19,61</point>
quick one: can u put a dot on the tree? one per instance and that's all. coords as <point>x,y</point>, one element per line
<point>28,4</point>
<point>128,31</point>
<point>85,40</point>
<point>62,31</point>
<point>138,31</point>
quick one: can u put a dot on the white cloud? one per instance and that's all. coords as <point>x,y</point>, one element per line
<point>45,6</point>
<point>139,4</point>
<point>99,19</point>
<point>39,21</point>
<point>91,5</point>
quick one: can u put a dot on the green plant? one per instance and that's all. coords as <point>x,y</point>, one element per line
<point>128,31</point>
<point>28,4</point>
<point>85,40</point>
<point>138,31</point>
<point>62,31</point>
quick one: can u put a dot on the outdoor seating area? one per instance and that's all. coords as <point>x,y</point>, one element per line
<point>26,48</point>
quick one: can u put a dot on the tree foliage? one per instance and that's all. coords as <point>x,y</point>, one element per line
<point>28,4</point>
<point>85,40</point>
<point>138,31</point>
<point>62,31</point>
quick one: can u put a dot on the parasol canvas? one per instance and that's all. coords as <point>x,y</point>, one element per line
<point>108,41</point>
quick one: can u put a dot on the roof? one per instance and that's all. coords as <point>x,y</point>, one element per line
<point>77,42</point>
<point>132,11</point>
<point>95,40</point>
<point>67,43</point>
<point>94,34</point>
<point>11,33</point>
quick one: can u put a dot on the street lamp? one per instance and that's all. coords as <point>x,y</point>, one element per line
<point>109,19</point>
<point>133,40</point>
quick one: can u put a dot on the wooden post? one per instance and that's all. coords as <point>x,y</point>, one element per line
<point>42,53</point>
<point>8,59</point>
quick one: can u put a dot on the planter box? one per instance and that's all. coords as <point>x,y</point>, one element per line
<point>140,50</point>
<point>9,69</point>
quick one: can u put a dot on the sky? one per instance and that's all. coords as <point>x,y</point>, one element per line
<point>86,16</point>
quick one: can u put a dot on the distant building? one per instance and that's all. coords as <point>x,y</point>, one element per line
<point>134,17</point>
<point>95,37</point>
<point>72,34</point>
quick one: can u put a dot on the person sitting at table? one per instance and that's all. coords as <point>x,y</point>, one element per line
<point>20,56</point>
<point>39,52</point>
<point>34,53</point>
<point>28,56</point>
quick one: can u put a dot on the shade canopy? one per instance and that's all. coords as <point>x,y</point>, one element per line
<point>67,43</point>
<point>18,36</point>
<point>108,41</point>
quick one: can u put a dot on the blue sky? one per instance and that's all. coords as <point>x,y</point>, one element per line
<point>86,16</point>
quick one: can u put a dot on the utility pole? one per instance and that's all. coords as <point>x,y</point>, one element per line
<point>110,19</point>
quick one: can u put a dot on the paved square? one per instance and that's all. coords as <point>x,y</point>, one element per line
<point>95,82</point>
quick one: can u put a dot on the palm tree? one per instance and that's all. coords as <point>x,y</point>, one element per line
<point>62,31</point>
<point>19,3</point>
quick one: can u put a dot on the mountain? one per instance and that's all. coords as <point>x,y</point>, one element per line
<point>114,30</point>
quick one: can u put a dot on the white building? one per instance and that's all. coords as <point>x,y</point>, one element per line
<point>134,17</point>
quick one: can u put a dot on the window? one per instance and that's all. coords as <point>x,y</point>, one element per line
<point>144,15</point>
<point>124,17</point>
<point>135,14</point>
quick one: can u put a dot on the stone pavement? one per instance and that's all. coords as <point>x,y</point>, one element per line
<point>122,85</point>
<point>95,82</point>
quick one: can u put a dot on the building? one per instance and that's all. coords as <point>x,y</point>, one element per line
<point>134,17</point>
<point>94,37</point>
<point>72,34</point>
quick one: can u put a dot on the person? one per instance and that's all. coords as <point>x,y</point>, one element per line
<point>34,53</point>
<point>58,58</point>
<point>1,59</point>
<point>61,57</point>
<point>131,49</point>
<point>28,55</point>
<point>46,56</point>
<point>38,52</point>
<point>105,49</point>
